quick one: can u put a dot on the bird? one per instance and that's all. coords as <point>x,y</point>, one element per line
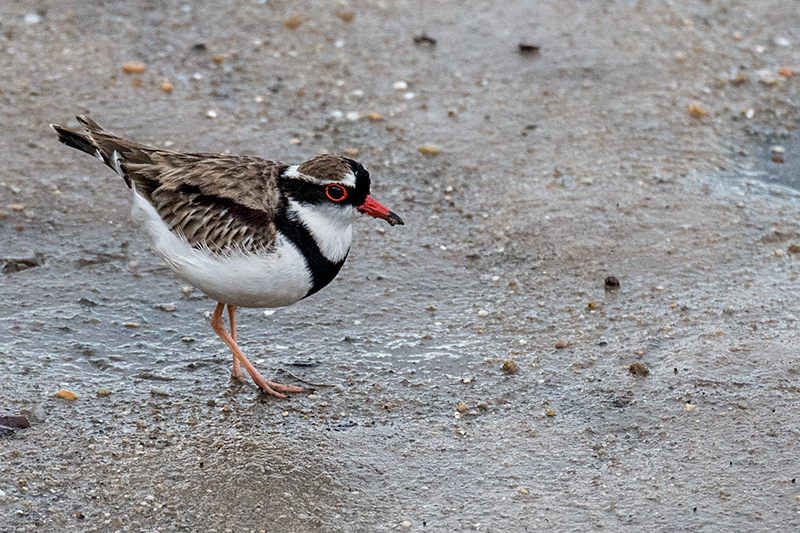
<point>246,231</point>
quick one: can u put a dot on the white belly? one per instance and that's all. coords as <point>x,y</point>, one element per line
<point>277,279</point>
<point>247,280</point>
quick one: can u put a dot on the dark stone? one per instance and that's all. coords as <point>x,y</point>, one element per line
<point>9,421</point>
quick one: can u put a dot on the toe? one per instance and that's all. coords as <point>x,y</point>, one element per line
<point>285,388</point>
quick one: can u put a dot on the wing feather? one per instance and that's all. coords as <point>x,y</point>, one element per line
<point>216,201</point>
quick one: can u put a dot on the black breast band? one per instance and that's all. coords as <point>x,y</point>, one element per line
<point>322,269</point>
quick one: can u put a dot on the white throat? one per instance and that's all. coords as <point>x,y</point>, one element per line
<point>331,226</point>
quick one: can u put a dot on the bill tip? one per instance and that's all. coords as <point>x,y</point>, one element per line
<point>395,220</point>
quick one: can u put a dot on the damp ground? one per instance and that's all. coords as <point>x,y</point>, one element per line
<point>640,142</point>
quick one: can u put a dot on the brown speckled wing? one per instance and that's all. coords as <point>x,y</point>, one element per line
<point>214,222</point>
<point>215,200</point>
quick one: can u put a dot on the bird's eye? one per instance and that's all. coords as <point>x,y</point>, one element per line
<point>337,193</point>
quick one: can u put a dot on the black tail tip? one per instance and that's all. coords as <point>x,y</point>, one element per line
<point>74,140</point>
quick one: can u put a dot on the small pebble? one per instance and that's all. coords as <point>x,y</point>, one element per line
<point>767,77</point>
<point>8,420</point>
<point>611,283</point>
<point>292,23</point>
<point>462,407</point>
<point>689,407</point>
<point>400,85</point>
<point>638,369</point>
<point>779,252</point>
<point>562,344</point>
<point>794,249</point>
<point>429,149</point>
<point>483,312</point>
<point>103,393</point>
<point>510,366</point>
<point>211,113</point>
<point>550,412</point>
<point>131,325</point>
<point>528,49</point>
<point>134,67</point>
<point>32,18</point>
<point>166,87</point>
<point>405,523</point>
<point>16,207</point>
<point>64,394</point>
<point>524,491</point>
<point>695,111</point>
<point>786,72</point>
<point>749,113</point>
<point>374,117</point>
<point>350,151</point>
<point>169,308</point>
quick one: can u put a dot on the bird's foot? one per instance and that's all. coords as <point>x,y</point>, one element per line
<point>272,388</point>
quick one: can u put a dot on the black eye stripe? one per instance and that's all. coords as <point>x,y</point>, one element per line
<point>337,193</point>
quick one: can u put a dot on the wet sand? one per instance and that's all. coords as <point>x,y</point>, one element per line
<point>555,169</point>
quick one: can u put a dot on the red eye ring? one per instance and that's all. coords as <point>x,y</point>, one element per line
<point>335,192</point>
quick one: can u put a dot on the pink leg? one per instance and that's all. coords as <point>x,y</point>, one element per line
<point>265,385</point>
<point>236,372</point>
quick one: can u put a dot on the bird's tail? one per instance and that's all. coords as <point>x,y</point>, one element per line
<point>102,144</point>
<point>84,142</point>
<point>78,140</point>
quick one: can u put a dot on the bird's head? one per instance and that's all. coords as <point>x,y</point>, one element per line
<point>334,181</point>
